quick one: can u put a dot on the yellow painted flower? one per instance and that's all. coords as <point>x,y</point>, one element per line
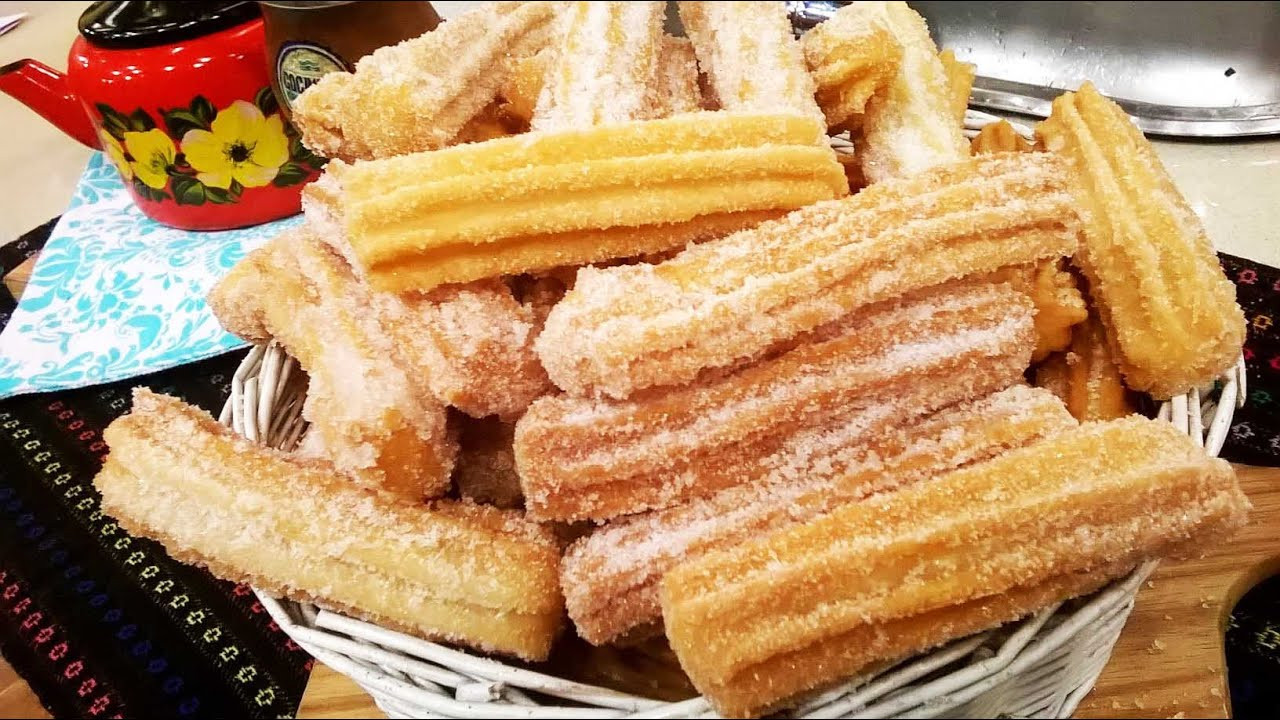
<point>153,153</point>
<point>115,153</point>
<point>242,145</point>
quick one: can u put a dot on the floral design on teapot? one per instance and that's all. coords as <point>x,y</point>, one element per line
<point>204,154</point>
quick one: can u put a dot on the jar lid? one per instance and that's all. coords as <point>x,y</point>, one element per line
<point>144,23</point>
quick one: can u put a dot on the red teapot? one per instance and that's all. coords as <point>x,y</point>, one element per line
<point>177,95</point>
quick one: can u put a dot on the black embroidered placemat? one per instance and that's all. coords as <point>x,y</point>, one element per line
<point>104,625</point>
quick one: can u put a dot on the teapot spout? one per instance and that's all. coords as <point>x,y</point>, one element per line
<point>45,91</point>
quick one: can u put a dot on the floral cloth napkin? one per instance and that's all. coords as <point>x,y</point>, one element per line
<point>115,294</point>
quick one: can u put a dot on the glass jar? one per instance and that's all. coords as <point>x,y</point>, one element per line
<point>307,39</point>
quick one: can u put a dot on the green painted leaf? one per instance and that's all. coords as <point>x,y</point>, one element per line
<point>218,196</point>
<point>140,121</point>
<point>113,122</point>
<point>188,191</point>
<point>290,174</point>
<point>203,110</point>
<point>236,188</point>
<point>180,120</point>
<point>266,102</point>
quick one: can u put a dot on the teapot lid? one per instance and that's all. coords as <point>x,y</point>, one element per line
<point>144,23</point>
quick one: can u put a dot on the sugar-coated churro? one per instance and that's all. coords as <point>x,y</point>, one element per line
<point>1086,378</point>
<point>623,329</point>
<point>850,57</point>
<point>605,66</point>
<point>371,416</point>
<point>751,59</point>
<point>1059,304</point>
<point>1169,312</point>
<point>910,125</point>
<point>417,95</point>
<point>611,577</point>
<point>960,76</point>
<point>546,200</point>
<point>902,572</point>
<point>998,137</point>
<point>581,458</point>
<point>486,469</point>
<point>459,572</point>
<point>676,89</point>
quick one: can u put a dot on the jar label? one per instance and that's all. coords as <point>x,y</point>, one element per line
<point>301,65</point>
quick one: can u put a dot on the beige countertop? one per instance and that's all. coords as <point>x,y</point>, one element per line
<point>1234,186</point>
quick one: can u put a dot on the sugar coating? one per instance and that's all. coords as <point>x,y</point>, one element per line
<point>727,301</point>
<point>582,458</point>
<point>371,416</point>
<point>605,67</point>
<point>611,577</point>
<point>750,56</point>
<point>779,613</point>
<point>418,94</point>
<point>456,571</point>
<point>1169,311</point>
<point>851,56</point>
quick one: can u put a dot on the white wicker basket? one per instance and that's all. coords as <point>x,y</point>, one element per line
<point>1038,667</point>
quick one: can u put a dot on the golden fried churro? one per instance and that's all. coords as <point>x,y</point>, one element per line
<point>1059,304</point>
<point>1087,378</point>
<point>750,56</point>
<point>676,89</point>
<point>802,608</point>
<point>850,57</point>
<point>714,305</point>
<point>371,417</point>
<point>910,125</point>
<point>611,577</point>
<point>1169,312</point>
<point>960,77</point>
<point>605,67</point>
<point>546,200</point>
<point>520,88</point>
<point>581,458</point>
<point>417,95</point>
<point>486,469</point>
<point>998,137</point>
<point>458,572</point>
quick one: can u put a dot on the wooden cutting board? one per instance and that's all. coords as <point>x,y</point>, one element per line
<point>1169,659</point>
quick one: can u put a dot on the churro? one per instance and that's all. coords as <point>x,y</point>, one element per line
<point>909,570</point>
<point>458,572</point>
<point>1087,378</point>
<point>1168,310</point>
<point>546,200</point>
<point>581,458</point>
<point>718,304</point>
<point>605,68</point>
<point>850,57</point>
<point>370,415</point>
<point>486,469</point>
<point>676,88</point>
<point>910,124</point>
<point>998,137</point>
<point>611,577</point>
<point>1059,304</point>
<point>419,94</point>
<point>751,59</point>
<point>960,76</point>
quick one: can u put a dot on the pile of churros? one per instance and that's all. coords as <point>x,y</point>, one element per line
<point>603,338</point>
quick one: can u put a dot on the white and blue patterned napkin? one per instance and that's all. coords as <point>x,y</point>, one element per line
<point>115,294</point>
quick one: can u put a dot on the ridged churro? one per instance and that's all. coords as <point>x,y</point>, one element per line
<point>611,577</point>
<point>1086,378</point>
<point>850,57</point>
<point>370,414</point>
<point>906,571</point>
<point>676,90</point>
<point>718,304</point>
<point>418,95</point>
<point>960,76</point>
<point>546,200</point>
<point>458,572</point>
<point>998,137</point>
<point>605,66</point>
<point>910,125</point>
<point>750,56</point>
<point>1059,304</point>
<point>583,459</point>
<point>1169,311</point>
<point>486,469</point>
